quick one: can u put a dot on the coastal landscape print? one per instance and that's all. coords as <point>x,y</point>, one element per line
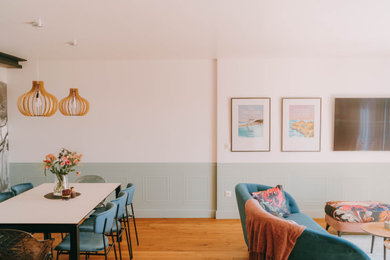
<point>301,121</point>
<point>250,129</point>
<point>250,121</point>
<point>301,124</point>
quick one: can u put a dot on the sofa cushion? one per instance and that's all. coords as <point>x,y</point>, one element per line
<point>273,201</point>
<point>303,219</point>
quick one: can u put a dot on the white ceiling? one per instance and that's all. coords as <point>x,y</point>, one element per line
<point>195,29</point>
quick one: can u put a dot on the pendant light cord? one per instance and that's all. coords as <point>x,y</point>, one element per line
<point>38,69</point>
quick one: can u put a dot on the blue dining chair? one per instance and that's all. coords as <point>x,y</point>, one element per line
<point>125,220</point>
<point>22,187</point>
<point>90,179</point>
<point>91,243</point>
<point>117,228</point>
<point>6,195</point>
<point>130,189</point>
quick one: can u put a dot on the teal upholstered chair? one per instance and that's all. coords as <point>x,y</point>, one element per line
<point>130,190</point>
<point>6,195</point>
<point>22,187</point>
<point>117,228</point>
<point>91,243</point>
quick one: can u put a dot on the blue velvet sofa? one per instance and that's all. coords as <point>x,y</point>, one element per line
<point>315,243</point>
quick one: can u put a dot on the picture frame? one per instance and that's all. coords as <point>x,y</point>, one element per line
<point>250,124</point>
<point>301,124</point>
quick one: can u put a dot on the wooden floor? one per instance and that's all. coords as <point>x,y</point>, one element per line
<point>185,239</point>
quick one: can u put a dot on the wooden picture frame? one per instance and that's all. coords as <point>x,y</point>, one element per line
<point>250,124</point>
<point>301,124</point>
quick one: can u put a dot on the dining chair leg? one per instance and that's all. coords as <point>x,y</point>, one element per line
<point>123,222</point>
<point>128,231</point>
<point>58,254</point>
<point>128,238</point>
<point>104,241</point>
<point>118,240</point>
<point>113,244</point>
<point>135,226</point>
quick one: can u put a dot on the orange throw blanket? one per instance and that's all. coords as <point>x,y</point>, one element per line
<point>269,237</point>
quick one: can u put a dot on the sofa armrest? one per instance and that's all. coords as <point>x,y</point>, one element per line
<point>323,246</point>
<point>243,193</point>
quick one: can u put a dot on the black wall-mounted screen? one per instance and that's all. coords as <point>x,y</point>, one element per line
<point>362,124</point>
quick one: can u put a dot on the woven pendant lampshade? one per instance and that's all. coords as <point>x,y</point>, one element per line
<point>37,102</point>
<point>74,105</point>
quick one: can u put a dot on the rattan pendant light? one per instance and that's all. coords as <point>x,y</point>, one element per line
<point>37,102</point>
<point>74,104</point>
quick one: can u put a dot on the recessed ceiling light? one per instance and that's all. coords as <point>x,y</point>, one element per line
<point>37,23</point>
<point>73,42</point>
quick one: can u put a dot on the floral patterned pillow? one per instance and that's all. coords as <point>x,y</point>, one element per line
<point>273,201</point>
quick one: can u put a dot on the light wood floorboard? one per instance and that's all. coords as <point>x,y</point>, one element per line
<point>185,239</point>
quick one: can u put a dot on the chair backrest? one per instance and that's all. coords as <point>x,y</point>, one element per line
<point>17,244</point>
<point>130,190</point>
<point>107,216</point>
<point>22,187</point>
<point>120,201</point>
<point>90,179</point>
<point>6,195</point>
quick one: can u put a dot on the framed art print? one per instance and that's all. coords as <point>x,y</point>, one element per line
<point>301,124</point>
<point>251,124</point>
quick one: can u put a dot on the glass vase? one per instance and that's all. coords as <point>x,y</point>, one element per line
<point>60,183</point>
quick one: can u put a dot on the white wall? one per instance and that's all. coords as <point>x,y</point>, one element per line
<point>277,78</point>
<point>312,178</point>
<point>141,111</point>
<point>3,74</point>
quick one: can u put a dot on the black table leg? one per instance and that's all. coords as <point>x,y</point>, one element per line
<point>117,190</point>
<point>384,249</point>
<point>46,235</point>
<point>74,243</point>
<point>372,243</point>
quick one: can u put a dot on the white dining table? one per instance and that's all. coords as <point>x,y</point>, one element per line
<point>33,212</point>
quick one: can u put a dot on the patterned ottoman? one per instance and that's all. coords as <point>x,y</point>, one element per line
<point>347,216</point>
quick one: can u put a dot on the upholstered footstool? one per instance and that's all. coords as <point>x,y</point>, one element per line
<point>348,216</point>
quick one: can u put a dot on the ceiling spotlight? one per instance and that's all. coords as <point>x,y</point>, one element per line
<point>37,23</point>
<point>72,43</point>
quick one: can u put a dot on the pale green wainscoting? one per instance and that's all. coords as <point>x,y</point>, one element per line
<point>311,184</point>
<point>196,190</point>
<point>176,190</point>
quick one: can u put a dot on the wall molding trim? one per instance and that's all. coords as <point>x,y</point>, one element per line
<point>163,190</point>
<point>311,184</point>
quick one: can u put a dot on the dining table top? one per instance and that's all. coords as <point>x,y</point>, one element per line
<point>32,207</point>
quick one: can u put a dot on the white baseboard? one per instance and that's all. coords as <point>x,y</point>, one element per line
<point>314,213</point>
<point>227,214</point>
<point>174,213</point>
<point>233,214</point>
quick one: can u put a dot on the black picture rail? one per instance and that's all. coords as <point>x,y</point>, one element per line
<point>9,61</point>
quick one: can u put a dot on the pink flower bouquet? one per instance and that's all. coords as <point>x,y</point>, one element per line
<point>61,166</point>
